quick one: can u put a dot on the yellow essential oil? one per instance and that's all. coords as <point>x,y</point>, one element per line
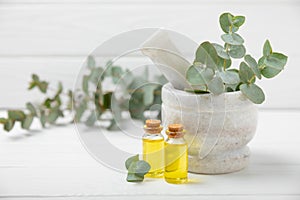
<point>176,155</point>
<point>153,148</point>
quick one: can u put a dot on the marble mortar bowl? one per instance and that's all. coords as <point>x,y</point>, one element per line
<point>218,128</point>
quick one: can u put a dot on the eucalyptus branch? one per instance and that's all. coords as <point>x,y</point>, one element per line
<point>217,73</point>
<point>84,105</point>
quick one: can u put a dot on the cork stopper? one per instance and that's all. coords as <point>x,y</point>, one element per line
<point>175,127</point>
<point>153,123</point>
<point>153,126</point>
<point>175,131</point>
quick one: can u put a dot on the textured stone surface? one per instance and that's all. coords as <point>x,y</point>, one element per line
<point>218,128</point>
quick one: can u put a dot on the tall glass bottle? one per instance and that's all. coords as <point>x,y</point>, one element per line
<point>153,148</point>
<point>176,155</point>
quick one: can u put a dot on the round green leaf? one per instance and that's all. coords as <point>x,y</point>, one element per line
<point>8,126</point>
<point>53,115</point>
<point>85,84</point>
<point>269,72</point>
<point>253,93</point>
<point>221,51</point>
<point>130,160</point>
<point>253,65</point>
<point>276,60</point>
<point>229,77</point>
<point>233,39</point>
<point>216,85</point>
<point>237,51</point>
<point>206,54</point>
<point>31,108</point>
<point>132,177</point>
<point>91,119</point>
<point>16,115</point>
<point>246,74</point>
<point>267,49</point>
<point>148,94</point>
<point>3,120</point>
<point>226,23</point>
<point>238,21</point>
<point>139,167</point>
<point>198,75</point>
<point>116,73</point>
<point>91,62</point>
<point>223,63</point>
<point>26,123</point>
<point>43,86</point>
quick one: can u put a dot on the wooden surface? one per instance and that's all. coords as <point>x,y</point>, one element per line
<point>53,164</point>
<point>53,37</point>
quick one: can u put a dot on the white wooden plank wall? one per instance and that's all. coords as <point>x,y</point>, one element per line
<point>52,37</point>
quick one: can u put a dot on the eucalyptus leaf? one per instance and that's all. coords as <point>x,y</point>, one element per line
<point>267,49</point>
<point>276,60</point>
<point>116,73</point>
<point>199,76</point>
<point>237,51</point>
<point>226,23</point>
<point>3,120</point>
<point>216,85</point>
<point>229,77</point>
<point>53,116</point>
<point>140,168</point>
<point>26,123</point>
<point>116,109</point>
<point>31,108</point>
<point>85,84</point>
<point>253,65</point>
<point>35,78</point>
<point>269,72</point>
<point>43,86</point>
<point>91,63</point>
<point>238,21</point>
<point>207,55</point>
<point>132,177</point>
<point>136,106</point>
<point>224,64</point>
<point>233,39</point>
<point>246,74</point>
<point>96,75</point>
<point>60,89</point>
<point>130,160</point>
<point>16,115</point>
<point>148,93</point>
<point>253,93</point>
<point>79,111</point>
<point>9,125</point>
<point>43,119</point>
<point>91,119</point>
<point>221,51</point>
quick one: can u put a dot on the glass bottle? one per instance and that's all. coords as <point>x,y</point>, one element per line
<point>153,148</point>
<point>176,155</point>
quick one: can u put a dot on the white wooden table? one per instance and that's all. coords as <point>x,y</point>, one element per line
<point>52,164</point>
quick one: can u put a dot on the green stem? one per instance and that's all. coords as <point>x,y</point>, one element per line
<point>252,78</point>
<point>226,49</point>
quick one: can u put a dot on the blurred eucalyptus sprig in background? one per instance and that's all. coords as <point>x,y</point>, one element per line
<point>88,106</point>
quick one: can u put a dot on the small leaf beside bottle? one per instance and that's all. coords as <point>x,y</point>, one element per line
<point>136,169</point>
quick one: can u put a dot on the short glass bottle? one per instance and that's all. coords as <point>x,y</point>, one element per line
<point>176,155</point>
<point>153,148</point>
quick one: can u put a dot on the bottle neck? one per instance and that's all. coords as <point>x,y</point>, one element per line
<point>175,140</point>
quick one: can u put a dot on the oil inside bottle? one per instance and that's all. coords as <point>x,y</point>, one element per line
<point>153,154</point>
<point>153,148</point>
<point>176,156</point>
